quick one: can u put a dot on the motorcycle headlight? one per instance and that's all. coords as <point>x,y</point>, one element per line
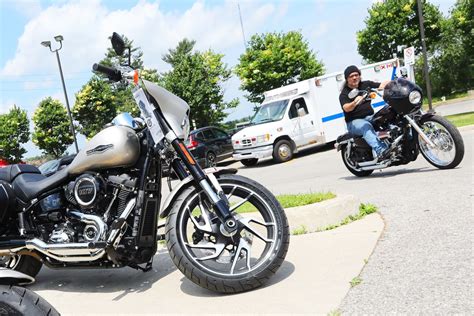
<point>414,97</point>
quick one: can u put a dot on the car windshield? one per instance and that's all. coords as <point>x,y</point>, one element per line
<point>270,112</point>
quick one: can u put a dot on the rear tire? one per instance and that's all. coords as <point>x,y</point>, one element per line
<point>211,160</point>
<point>16,300</point>
<point>282,151</point>
<point>445,140</point>
<point>249,162</point>
<point>349,165</point>
<point>224,264</point>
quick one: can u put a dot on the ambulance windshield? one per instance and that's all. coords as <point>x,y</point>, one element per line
<point>270,112</point>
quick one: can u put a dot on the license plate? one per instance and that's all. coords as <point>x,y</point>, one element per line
<point>147,113</point>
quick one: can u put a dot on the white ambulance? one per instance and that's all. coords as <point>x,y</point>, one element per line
<point>302,114</point>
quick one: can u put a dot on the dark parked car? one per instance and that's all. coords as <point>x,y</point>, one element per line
<point>209,145</point>
<point>51,166</point>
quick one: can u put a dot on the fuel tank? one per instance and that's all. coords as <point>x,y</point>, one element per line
<point>113,147</point>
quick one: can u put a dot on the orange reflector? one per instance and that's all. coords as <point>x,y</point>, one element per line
<point>187,154</point>
<point>135,77</point>
<point>373,95</point>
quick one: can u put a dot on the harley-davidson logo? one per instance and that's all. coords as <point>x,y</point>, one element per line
<point>99,149</point>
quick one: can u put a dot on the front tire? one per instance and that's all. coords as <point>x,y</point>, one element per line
<point>449,150</point>
<point>16,300</point>
<point>228,264</point>
<point>350,165</point>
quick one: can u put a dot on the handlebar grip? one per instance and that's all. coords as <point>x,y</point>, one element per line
<point>112,73</point>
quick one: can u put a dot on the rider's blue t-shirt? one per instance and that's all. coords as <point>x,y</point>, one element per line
<point>364,108</point>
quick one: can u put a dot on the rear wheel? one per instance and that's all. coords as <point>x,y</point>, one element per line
<point>24,264</point>
<point>216,260</point>
<point>249,162</point>
<point>449,146</point>
<point>351,165</point>
<point>282,151</point>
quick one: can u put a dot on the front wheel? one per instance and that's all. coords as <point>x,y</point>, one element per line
<point>449,146</point>
<point>216,260</point>
<point>282,151</point>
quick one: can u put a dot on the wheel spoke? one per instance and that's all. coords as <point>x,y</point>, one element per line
<point>243,246</point>
<point>240,203</point>
<point>218,248</point>
<point>204,215</point>
<point>246,222</point>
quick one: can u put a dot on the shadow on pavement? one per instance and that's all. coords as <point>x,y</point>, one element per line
<point>188,287</point>
<point>123,279</point>
<point>386,174</point>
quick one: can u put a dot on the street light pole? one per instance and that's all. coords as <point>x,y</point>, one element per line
<point>59,39</point>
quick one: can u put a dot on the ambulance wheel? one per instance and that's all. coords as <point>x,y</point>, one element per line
<point>282,151</point>
<point>249,162</point>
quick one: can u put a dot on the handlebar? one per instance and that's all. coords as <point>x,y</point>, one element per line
<point>111,73</point>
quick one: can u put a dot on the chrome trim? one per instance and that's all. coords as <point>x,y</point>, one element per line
<point>420,131</point>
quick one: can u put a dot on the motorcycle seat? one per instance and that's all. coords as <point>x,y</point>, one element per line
<point>9,173</point>
<point>28,186</point>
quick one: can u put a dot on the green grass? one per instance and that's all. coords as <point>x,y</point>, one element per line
<point>356,281</point>
<point>300,231</point>
<point>364,209</point>
<point>335,312</point>
<point>292,200</point>
<point>462,119</point>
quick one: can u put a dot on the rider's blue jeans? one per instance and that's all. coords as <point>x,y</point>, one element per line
<point>364,128</point>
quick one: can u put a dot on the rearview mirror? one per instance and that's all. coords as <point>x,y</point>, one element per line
<point>118,44</point>
<point>404,72</point>
<point>353,93</point>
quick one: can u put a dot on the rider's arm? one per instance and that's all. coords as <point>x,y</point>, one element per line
<point>350,106</point>
<point>383,84</point>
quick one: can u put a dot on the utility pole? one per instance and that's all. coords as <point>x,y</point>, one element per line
<point>60,38</point>
<point>425,56</point>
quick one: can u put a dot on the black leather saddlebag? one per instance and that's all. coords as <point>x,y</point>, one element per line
<point>7,200</point>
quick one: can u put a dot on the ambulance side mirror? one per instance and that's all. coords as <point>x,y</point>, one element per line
<point>404,72</point>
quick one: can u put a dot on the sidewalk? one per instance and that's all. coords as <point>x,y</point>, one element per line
<point>314,279</point>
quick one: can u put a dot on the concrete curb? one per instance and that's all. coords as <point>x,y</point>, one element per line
<point>320,215</point>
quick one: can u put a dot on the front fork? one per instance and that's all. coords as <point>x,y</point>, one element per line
<point>420,131</point>
<point>218,199</point>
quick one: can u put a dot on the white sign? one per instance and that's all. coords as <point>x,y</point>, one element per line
<point>409,55</point>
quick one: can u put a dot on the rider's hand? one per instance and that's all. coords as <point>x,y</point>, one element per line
<point>358,99</point>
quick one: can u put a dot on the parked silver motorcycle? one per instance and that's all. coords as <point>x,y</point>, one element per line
<point>101,211</point>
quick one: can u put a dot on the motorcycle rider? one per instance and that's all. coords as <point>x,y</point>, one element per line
<point>359,116</point>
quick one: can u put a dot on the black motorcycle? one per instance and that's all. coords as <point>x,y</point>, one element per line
<point>102,209</point>
<point>406,129</point>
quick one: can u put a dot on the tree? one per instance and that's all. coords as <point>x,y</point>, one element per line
<point>197,78</point>
<point>95,106</point>
<point>14,131</point>
<point>395,22</point>
<point>52,132</point>
<point>452,66</point>
<point>273,60</point>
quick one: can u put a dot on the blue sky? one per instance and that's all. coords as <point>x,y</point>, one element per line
<point>29,72</point>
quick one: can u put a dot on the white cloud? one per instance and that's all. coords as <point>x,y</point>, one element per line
<point>86,25</point>
<point>27,8</point>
